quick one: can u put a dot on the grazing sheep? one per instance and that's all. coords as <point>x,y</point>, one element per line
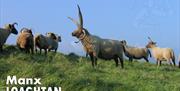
<point>97,47</point>
<point>161,54</point>
<point>54,43</point>
<point>5,32</point>
<point>135,52</point>
<point>48,42</point>
<point>25,40</point>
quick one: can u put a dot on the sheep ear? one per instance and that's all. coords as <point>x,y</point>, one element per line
<point>54,36</point>
<point>10,26</point>
<point>122,41</point>
<point>30,31</point>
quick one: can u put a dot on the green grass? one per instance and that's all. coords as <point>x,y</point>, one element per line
<point>73,73</point>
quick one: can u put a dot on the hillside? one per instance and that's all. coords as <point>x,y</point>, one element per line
<point>75,73</point>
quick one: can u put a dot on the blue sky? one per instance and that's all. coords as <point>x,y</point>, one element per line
<point>132,20</point>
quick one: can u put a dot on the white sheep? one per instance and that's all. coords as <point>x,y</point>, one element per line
<point>161,54</point>
<point>5,32</point>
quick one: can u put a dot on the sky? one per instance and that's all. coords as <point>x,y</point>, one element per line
<point>130,20</point>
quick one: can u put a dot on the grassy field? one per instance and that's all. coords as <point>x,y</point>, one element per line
<point>74,73</point>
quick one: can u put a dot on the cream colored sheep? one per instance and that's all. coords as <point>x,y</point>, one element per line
<point>161,54</point>
<point>135,52</point>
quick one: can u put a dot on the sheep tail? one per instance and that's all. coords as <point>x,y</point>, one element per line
<point>173,57</point>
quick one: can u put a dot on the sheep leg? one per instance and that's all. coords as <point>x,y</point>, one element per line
<point>169,62</point>
<point>92,60</point>
<point>86,55</point>
<point>146,59</point>
<point>174,63</point>
<point>55,50</point>
<point>95,61</point>
<point>1,48</point>
<point>130,59</point>
<point>159,62</point>
<point>116,61</point>
<point>36,50</point>
<point>27,50</point>
<point>49,50</point>
<point>32,50</point>
<point>45,51</point>
<point>40,50</point>
<point>121,61</point>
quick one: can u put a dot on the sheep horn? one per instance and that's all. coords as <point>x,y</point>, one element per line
<point>15,23</point>
<point>78,25</point>
<point>150,39</point>
<point>83,35</point>
<point>80,17</point>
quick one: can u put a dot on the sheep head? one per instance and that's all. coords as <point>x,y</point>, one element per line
<point>80,32</point>
<point>12,28</point>
<point>151,43</point>
<point>26,30</point>
<point>51,35</point>
<point>59,38</point>
<point>123,42</point>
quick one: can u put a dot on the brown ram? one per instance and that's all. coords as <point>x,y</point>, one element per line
<point>97,47</point>
<point>25,40</point>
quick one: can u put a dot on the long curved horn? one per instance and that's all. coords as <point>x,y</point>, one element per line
<point>150,39</point>
<point>80,17</point>
<point>78,25</point>
<point>15,23</point>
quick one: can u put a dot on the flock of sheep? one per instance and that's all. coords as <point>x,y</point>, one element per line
<point>26,41</point>
<point>94,46</point>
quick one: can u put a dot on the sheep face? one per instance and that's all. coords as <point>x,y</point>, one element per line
<point>77,33</point>
<point>123,42</point>
<point>59,38</point>
<point>51,35</point>
<point>151,44</point>
<point>13,29</point>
